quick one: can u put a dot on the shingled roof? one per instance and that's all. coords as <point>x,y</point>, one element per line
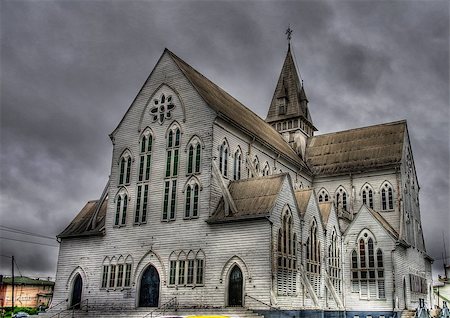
<point>254,198</point>
<point>325,210</point>
<point>356,149</point>
<point>290,88</point>
<point>81,224</point>
<point>227,106</point>
<point>302,197</point>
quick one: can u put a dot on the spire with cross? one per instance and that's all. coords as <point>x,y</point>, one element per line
<point>288,33</point>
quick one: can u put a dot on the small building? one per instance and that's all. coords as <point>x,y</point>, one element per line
<point>28,292</point>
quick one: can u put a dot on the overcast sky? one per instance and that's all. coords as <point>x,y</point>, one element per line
<point>70,70</point>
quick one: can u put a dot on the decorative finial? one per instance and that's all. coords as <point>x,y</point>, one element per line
<point>288,33</point>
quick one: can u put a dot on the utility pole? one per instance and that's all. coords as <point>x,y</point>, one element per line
<point>12,281</point>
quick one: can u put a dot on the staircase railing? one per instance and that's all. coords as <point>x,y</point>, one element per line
<point>170,304</point>
<point>261,302</point>
<point>56,305</point>
<point>82,305</point>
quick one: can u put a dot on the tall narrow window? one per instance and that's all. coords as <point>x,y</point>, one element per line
<point>266,170</point>
<point>112,276</point>
<point>191,200</point>
<point>367,275</point>
<point>223,159</point>
<point>237,165</point>
<point>170,184</point>
<point>127,282</point>
<point>141,204</point>
<point>125,168</point>
<point>313,262</point>
<point>194,150</point>
<point>334,262</point>
<point>367,196</point>
<point>387,197</point>
<point>341,199</point>
<point>287,257</point>
<point>121,208</point>
<point>145,156</point>
<point>186,270</point>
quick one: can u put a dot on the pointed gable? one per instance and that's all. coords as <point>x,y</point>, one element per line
<point>254,198</point>
<point>325,210</point>
<point>303,196</point>
<point>291,90</point>
<point>233,111</point>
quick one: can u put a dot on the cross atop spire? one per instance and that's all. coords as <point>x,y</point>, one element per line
<point>288,33</point>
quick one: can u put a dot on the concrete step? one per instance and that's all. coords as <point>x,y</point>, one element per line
<point>232,312</point>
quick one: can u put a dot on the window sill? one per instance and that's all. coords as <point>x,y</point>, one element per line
<point>119,226</point>
<point>191,218</point>
<point>139,223</point>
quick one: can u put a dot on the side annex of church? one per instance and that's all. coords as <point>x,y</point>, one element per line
<point>211,204</point>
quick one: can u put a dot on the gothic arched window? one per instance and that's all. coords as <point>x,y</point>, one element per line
<point>237,165</point>
<point>192,190</point>
<point>334,262</point>
<point>121,208</point>
<point>341,199</point>
<point>367,195</point>
<point>367,271</point>
<point>323,195</point>
<point>170,183</point>
<point>125,168</point>
<point>266,169</point>
<point>287,255</point>
<point>223,158</point>
<point>146,143</point>
<point>313,263</point>
<point>194,149</point>
<point>387,197</point>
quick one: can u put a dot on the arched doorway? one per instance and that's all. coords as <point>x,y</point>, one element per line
<point>77,288</point>
<point>149,288</point>
<point>235,287</point>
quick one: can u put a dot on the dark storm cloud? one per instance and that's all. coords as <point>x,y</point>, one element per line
<point>70,70</point>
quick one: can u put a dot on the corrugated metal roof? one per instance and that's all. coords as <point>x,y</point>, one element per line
<point>254,198</point>
<point>302,197</point>
<point>227,106</point>
<point>23,280</point>
<point>325,209</point>
<point>80,225</point>
<point>356,149</point>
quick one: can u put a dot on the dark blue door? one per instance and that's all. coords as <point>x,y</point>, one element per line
<point>149,292</point>
<point>235,287</point>
<point>76,292</point>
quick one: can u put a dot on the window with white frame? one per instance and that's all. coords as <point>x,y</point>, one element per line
<point>170,182</point>
<point>145,156</point>
<point>116,273</point>
<point>323,195</point>
<point>186,269</point>
<point>256,166</point>
<point>341,199</point>
<point>125,168</point>
<point>223,158</point>
<point>194,150</point>
<point>387,197</point>
<point>367,195</point>
<point>367,268</point>
<point>334,262</point>
<point>313,259</point>
<point>192,191</point>
<point>141,204</point>
<point>121,208</point>
<point>287,255</point>
<point>237,164</point>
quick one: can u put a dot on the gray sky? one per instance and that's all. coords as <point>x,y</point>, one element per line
<point>70,70</point>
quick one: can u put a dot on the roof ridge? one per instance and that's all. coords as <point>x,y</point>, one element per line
<point>195,70</point>
<point>272,176</point>
<point>403,121</point>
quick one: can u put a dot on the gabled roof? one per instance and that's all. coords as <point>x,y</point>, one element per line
<point>290,88</point>
<point>302,197</point>
<point>254,198</point>
<point>325,210</point>
<point>235,112</point>
<point>80,225</point>
<point>356,149</point>
<point>387,226</point>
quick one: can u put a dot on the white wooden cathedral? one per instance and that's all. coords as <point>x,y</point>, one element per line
<point>211,204</point>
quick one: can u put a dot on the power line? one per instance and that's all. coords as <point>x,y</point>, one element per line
<point>17,267</point>
<point>37,243</point>
<point>19,231</point>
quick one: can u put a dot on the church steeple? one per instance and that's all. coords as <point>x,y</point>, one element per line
<point>288,112</point>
